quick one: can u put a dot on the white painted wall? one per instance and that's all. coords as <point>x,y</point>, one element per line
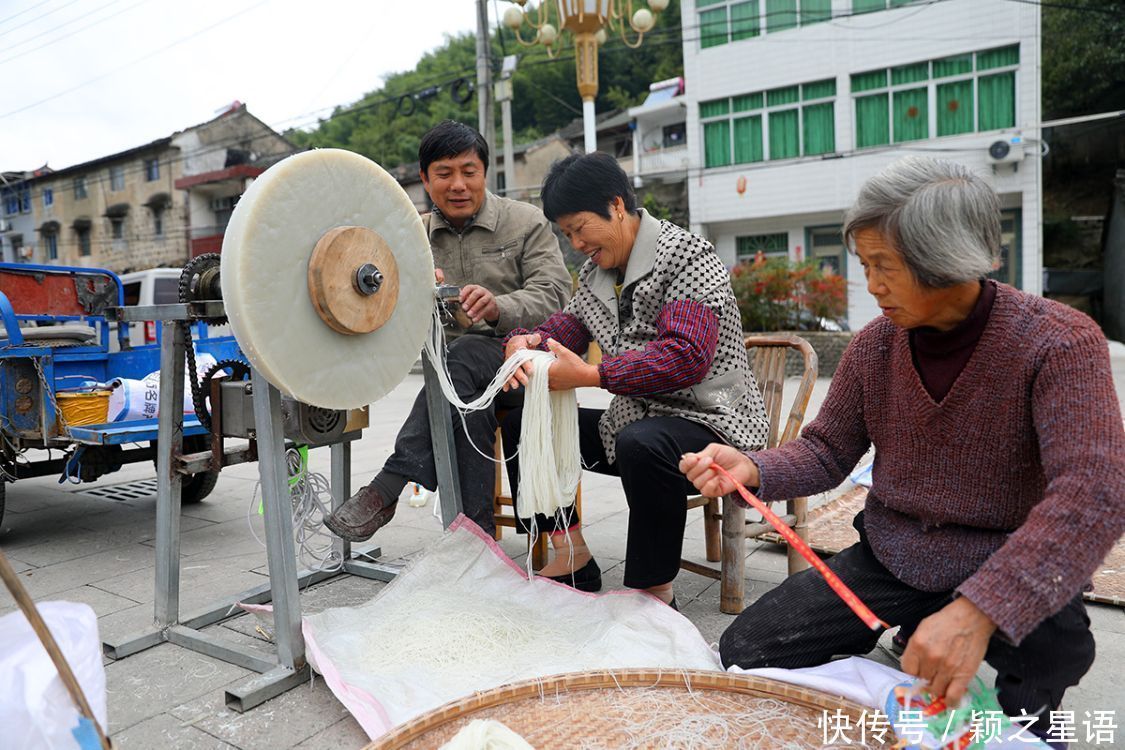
<point>793,194</point>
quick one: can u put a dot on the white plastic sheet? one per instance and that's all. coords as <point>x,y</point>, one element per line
<point>469,574</point>
<point>36,711</point>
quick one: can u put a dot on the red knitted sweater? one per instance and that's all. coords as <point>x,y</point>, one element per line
<point>1010,491</point>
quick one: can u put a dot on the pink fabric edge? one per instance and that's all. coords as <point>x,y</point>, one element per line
<point>366,709</point>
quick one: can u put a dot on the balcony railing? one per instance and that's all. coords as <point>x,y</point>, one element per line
<point>664,160</point>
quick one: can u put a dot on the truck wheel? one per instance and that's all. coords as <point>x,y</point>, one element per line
<point>197,486</point>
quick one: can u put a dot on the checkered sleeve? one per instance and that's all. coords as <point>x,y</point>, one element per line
<point>687,334</point>
<point>564,327</point>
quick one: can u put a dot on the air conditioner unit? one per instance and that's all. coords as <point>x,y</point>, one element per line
<point>1006,151</point>
<point>5,225</point>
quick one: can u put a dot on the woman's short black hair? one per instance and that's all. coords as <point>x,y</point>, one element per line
<point>449,138</point>
<point>586,182</point>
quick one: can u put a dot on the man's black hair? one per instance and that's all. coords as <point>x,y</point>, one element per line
<point>450,138</point>
<point>586,182</point>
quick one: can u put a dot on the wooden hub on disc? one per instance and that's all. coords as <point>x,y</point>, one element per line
<point>353,280</point>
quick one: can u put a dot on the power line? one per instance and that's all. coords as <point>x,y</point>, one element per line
<point>67,36</point>
<point>142,58</point>
<point>41,15</point>
<point>25,10</point>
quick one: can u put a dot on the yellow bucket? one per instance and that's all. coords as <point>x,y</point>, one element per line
<point>82,407</point>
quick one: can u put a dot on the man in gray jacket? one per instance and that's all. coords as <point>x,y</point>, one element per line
<point>504,256</point>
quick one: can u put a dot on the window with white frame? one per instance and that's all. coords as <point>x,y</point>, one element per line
<point>974,92</point>
<point>152,170</point>
<point>79,188</point>
<point>870,6</point>
<point>116,178</point>
<point>51,242</point>
<point>780,123</point>
<point>48,197</point>
<point>723,21</point>
<point>775,245</point>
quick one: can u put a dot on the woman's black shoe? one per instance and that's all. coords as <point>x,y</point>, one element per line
<point>587,578</point>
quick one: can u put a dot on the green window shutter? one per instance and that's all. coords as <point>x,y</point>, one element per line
<point>868,6</point>
<point>714,108</point>
<point>911,118</point>
<point>815,11</point>
<point>783,96</point>
<point>998,58</point>
<point>780,15</point>
<point>819,128</point>
<point>747,102</point>
<point>748,139</point>
<point>876,79</point>
<point>953,66</point>
<point>705,3</point>
<point>713,27</point>
<point>910,73</point>
<point>955,108</point>
<point>872,121</point>
<point>996,101</point>
<point>744,22</point>
<point>819,89</point>
<point>716,144</point>
<point>897,3</point>
<point>784,135</point>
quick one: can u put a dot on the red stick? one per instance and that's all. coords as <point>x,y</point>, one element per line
<point>798,543</point>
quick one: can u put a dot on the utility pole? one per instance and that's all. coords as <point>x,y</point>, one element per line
<point>484,89</point>
<point>504,95</point>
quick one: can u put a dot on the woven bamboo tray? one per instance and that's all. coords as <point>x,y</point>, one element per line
<point>607,709</point>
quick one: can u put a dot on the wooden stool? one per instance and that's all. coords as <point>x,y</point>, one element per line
<point>537,548</point>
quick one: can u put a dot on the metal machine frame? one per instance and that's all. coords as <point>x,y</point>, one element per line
<point>289,667</point>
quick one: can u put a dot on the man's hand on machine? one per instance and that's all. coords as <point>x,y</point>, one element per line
<point>479,304</point>
<point>697,467</point>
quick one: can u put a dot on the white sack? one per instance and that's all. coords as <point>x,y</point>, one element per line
<point>140,399</point>
<point>36,711</point>
<point>418,645</point>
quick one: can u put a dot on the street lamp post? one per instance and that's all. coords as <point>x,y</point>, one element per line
<point>587,21</point>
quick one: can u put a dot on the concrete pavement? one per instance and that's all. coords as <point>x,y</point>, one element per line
<point>70,544</point>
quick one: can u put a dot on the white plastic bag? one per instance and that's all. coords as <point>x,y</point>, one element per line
<point>36,710</point>
<point>140,399</point>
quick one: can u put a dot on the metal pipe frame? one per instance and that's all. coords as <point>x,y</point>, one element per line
<point>445,450</point>
<point>289,667</point>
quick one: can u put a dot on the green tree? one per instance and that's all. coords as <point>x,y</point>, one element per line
<point>387,123</point>
<point>1083,58</point>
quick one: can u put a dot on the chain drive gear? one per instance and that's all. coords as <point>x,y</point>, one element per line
<point>239,370</point>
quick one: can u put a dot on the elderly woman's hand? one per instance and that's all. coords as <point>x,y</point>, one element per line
<point>570,370</point>
<point>523,341</point>
<point>699,469</point>
<point>947,648</point>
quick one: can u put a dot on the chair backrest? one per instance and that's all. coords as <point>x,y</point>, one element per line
<point>767,360</point>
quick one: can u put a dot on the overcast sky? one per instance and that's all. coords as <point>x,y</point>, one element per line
<point>86,78</point>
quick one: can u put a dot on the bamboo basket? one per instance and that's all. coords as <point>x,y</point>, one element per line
<point>544,711</point>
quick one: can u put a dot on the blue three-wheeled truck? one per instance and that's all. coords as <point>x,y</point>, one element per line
<point>56,341</point>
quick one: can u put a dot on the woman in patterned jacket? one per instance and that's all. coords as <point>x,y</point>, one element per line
<point>658,302</point>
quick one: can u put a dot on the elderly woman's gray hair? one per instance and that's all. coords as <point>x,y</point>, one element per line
<point>944,219</point>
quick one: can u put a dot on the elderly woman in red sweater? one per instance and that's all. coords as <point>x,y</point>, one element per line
<point>999,476</point>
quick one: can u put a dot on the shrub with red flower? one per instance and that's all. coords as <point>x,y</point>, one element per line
<point>777,295</point>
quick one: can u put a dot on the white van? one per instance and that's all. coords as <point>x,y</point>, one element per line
<point>156,286</point>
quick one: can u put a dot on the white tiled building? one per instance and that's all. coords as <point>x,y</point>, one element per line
<point>793,104</point>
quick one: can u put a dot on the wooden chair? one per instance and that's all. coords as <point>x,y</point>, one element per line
<point>502,504</point>
<point>727,530</point>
